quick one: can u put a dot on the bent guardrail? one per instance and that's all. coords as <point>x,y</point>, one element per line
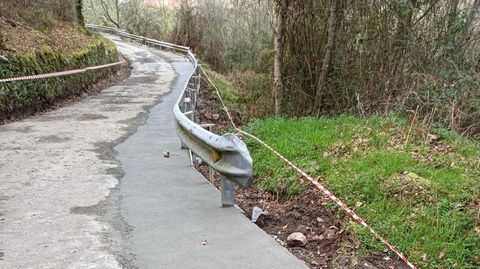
<point>227,154</point>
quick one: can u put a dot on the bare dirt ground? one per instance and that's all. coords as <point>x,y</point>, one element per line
<point>329,245</point>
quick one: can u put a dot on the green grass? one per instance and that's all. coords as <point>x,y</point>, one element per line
<point>424,200</point>
<point>245,93</point>
<point>229,93</point>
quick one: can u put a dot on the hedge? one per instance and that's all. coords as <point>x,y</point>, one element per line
<point>27,97</point>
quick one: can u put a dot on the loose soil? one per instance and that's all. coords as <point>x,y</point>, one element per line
<point>329,245</point>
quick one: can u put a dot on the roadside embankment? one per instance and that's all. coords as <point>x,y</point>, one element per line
<point>27,51</point>
<point>415,185</point>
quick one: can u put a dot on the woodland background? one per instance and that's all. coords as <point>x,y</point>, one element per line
<point>417,58</point>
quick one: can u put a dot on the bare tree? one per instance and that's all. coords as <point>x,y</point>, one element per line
<point>109,7</point>
<point>469,24</point>
<point>329,51</point>
<point>279,54</point>
<point>79,10</point>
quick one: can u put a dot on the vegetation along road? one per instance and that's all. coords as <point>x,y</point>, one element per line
<point>61,196</point>
<point>378,101</point>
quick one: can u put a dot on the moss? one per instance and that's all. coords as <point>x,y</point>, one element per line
<point>31,96</point>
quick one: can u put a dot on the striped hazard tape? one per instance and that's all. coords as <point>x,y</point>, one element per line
<point>59,74</point>
<point>314,182</point>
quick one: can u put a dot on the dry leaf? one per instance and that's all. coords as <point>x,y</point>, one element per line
<point>441,254</point>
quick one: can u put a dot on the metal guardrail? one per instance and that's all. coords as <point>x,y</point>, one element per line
<point>227,154</point>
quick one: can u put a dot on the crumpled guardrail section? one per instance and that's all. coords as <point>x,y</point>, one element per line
<point>227,154</point>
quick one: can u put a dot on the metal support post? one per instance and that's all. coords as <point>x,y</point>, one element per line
<point>211,174</point>
<point>228,192</point>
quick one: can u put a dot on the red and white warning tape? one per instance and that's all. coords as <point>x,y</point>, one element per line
<point>59,74</point>
<point>317,184</point>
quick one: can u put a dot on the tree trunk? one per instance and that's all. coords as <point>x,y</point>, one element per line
<point>469,26</point>
<point>106,12</point>
<point>278,61</point>
<point>329,50</point>
<point>117,9</point>
<point>78,8</point>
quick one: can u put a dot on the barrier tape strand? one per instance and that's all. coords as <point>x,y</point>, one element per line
<point>61,73</point>
<point>313,181</point>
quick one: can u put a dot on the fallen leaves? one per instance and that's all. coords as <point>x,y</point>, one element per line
<point>441,254</point>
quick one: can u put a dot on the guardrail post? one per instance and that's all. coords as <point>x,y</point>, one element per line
<point>228,192</point>
<point>211,174</point>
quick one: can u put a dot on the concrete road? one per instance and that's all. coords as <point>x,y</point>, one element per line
<point>86,186</point>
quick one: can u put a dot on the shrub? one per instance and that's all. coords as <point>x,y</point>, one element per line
<point>254,91</point>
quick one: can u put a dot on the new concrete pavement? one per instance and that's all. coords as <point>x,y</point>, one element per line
<point>87,186</point>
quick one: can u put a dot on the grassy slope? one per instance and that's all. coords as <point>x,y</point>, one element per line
<point>246,93</point>
<point>418,187</point>
<point>19,37</point>
<point>421,192</point>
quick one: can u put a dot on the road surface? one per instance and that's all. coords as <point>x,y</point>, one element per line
<point>87,186</point>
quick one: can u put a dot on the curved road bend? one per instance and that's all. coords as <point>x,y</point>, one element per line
<point>86,186</point>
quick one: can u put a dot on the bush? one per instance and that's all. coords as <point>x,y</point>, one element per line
<point>254,91</point>
<point>40,14</point>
